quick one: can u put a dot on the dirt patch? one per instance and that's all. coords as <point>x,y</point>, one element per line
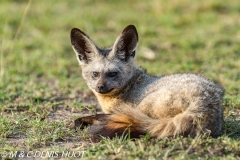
<point>61,110</point>
<point>18,140</point>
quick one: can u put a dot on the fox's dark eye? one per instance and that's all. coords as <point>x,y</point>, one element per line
<point>95,74</point>
<point>112,74</point>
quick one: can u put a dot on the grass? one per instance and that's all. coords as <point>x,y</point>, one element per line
<point>42,92</point>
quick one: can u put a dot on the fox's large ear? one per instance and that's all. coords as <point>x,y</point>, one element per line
<point>126,44</point>
<point>83,46</point>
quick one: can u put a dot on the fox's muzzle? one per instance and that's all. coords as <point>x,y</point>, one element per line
<point>103,89</point>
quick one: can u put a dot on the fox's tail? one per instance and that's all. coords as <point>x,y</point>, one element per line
<point>128,120</point>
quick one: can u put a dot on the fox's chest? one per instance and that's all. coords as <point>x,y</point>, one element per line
<point>108,104</point>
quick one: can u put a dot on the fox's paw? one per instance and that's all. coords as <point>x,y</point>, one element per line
<point>86,121</point>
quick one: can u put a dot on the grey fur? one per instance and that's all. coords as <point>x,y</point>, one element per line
<point>173,104</point>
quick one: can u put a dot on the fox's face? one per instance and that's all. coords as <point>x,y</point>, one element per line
<point>108,70</point>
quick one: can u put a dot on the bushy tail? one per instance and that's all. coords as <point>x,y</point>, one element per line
<point>128,120</point>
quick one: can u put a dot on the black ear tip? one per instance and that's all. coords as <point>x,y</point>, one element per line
<point>76,31</point>
<point>131,27</point>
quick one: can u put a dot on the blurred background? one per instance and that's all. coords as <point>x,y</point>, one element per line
<point>37,60</point>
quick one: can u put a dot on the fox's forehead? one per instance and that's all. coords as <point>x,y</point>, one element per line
<point>103,65</point>
<point>104,51</point>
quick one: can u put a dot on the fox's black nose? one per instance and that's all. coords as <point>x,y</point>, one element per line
<point>100,86</point>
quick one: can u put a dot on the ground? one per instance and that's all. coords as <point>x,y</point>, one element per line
<point>42,92</point>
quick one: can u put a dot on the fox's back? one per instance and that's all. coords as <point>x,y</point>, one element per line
<point>189,86</point>
<point>172,93</point>
<point>185,85</point>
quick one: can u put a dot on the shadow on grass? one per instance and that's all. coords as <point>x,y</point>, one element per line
<point>232,127</point>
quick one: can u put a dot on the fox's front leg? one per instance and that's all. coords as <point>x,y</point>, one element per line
<point>86,121</point>
<point>108,125</point>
